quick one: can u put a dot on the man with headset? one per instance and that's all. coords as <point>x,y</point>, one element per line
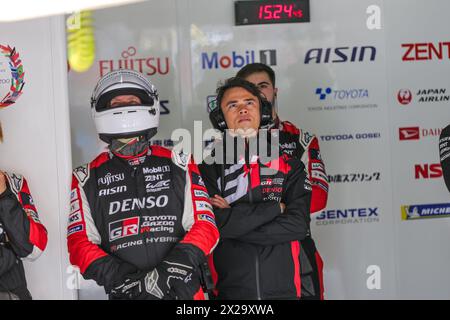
<point>141,223</point>
<point>304,146</point>
<point>261,207</point>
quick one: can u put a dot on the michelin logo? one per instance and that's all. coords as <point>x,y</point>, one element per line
<point>423,211</point>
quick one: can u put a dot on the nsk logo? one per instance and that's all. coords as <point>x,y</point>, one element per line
<point>111,191</point>
<point>74,218</point>
<point>123,228</point>
<point>427,171</point>
<point>160,169</point>
<point>414,133</point>
<point>137,204</point>
<point>109,178</point>
<point>213,61</point>
<point>341,54</point>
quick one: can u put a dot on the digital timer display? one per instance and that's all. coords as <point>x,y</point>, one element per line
<point>265,12</point>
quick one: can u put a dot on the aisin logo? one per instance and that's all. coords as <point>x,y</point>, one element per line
<point>404,96</point>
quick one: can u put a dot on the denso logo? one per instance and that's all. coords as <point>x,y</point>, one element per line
<point>341,54</point>
<point>345,137</point>
<point>428,171</point>
<point>123,228</point>
<point>348,213</point>
<point>238,60</point>
<point>426,51</point>
<point>137,204</point>
<point>109,178</point>
<point>346,94</point>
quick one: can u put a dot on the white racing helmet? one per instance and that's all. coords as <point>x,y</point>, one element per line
<point>125,121</point>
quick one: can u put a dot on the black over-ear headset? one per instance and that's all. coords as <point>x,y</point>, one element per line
<point>216,115</point>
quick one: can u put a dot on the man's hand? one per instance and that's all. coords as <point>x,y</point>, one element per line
<point>2,182</point>
<point>175,278</point>
<point>283,207</point>
<point>219,202</point>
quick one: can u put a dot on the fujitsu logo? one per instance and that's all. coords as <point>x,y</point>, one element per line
<point>110,178</point>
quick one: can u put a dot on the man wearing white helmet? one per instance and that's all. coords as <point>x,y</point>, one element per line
<point>138,210</point>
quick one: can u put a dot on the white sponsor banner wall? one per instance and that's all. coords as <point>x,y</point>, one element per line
<point>347,77</point>
<point>37,141</point>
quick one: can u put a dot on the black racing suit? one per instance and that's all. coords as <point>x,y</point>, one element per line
<point>128,213</point>
<point>259,255</point>
<point>305,146</point>
<point>22,236</point>
<point>444,152</point>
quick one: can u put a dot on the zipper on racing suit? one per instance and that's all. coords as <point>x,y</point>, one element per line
<point>250,197</point>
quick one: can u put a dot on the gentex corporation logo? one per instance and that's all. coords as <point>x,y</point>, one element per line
<point>415,133</point>
<point>348,216</point>
<point>425,211</point>
<point>11,76</point>
<point>215,60</point>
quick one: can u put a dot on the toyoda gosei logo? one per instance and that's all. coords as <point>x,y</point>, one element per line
<point>11,76</point>
<point>404,96</point>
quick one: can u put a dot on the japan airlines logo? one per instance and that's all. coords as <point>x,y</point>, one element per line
<point>411,133</point>
<point>404,96</point>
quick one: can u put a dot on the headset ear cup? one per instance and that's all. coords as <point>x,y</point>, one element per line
<point>266,112</point>
<point>217,120</point>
